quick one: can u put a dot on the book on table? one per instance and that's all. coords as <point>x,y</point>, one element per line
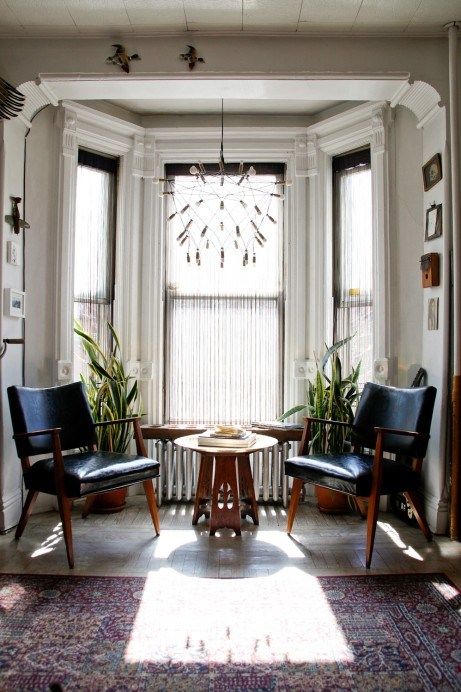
<point>210,438</point>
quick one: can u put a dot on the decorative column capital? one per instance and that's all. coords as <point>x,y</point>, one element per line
<point>66,121</point>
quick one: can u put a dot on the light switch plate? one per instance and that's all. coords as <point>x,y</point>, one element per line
<point>13,255</point>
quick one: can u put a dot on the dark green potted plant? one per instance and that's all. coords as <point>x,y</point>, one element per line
<point>112,395</point>
<point>330,396</point>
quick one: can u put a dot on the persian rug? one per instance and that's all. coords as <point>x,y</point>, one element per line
<point>289,631</point>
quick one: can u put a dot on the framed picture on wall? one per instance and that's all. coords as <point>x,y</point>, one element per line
<point>432,172</point>
<point>433,222</point>
<point>15,303</point>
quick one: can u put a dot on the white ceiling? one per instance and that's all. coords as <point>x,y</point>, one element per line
<point>240,106</point>
<point>62,18</point>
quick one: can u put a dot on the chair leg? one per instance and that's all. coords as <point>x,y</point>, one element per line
<point>292,509</point>
<point>372,518</point>
<point>25,514</point>
<point>362,506</point>
<point>152,504</point>
<point>65,506</point>
<point>418,510</point>
<point>89,501</point>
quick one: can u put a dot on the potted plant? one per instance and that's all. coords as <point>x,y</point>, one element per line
<point>112,395</point>
<point>331,397</point>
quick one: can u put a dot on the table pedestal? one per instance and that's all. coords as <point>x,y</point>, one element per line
<point>226,480</point>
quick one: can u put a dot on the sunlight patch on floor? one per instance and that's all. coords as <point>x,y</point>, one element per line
<point>395,538</point>
<point>182,619</point>
<point>50,542</point>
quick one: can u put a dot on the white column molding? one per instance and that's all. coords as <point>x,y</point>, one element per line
<point>150,158</point>
<point>301,156</point>
<point>421,98</point>
<point>312,153</point>
<point>138,157</point>
<point>66,124</point>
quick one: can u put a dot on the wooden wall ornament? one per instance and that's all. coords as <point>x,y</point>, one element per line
<point>121,58</point>
<point>14,219</point>
<point>191,57</point>
<point>432,172</point>
<point>430,269</point>
<point>433,222</point>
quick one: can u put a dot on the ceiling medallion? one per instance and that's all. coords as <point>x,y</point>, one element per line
<point>222,207</point>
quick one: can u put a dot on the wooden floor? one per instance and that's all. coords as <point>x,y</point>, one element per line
<point>124,544</point>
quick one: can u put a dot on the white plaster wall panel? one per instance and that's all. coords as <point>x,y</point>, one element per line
<point>163,14</point>
<point>271,14</point>
<point>382,14</point>
<point>90,14</point>
<point>41,13</point>
<point>407,245</point>
<point>330,11</point>
<point>206,14</point>
<point>12,327</point>
<point>436,343</point>
<point>424,59</point>
<point>40,244</point>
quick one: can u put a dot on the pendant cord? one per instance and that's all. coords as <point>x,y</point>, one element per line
<point>222,132</point>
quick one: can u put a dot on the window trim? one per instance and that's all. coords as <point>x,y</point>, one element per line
<point>367,125</point>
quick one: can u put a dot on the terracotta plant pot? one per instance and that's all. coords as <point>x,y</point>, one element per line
<point>331,502</point>
<point>110,502</point>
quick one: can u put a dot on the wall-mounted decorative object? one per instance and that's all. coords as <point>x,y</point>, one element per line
<point>430,269</point>
<point>433,221</point>
<point>11,100</point>
<point>15,302</point>
<point>432,172</point>
<point>14,219</point>
<point>13,253</point>
<point>191,57</point>
<point>433,314</point>
<point>121,57</point>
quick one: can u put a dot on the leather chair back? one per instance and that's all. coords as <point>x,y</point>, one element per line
<point>392,407</point>
<point>64,407</point>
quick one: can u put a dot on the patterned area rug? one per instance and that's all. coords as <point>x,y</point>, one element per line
<point>289,631</point>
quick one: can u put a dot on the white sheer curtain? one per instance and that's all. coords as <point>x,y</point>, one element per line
<point>93,257</point>
<point>353,270</point>
<point>224,323</point>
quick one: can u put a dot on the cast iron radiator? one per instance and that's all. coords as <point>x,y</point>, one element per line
<point>179,472</point>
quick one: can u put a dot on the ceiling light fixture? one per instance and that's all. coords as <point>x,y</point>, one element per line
<point>222,206</point>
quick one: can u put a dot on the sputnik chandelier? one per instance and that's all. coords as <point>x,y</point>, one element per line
<point>222,207</point>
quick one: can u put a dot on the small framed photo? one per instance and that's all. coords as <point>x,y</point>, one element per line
<point>433,314</point>
<point>432,172</point>
<point>433,222</point>
<point>15,302</point>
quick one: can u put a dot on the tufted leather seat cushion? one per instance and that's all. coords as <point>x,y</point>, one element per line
<point>91,472</point>
<point>351,473</point>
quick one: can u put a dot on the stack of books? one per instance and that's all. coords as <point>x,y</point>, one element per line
<point>226,436</point>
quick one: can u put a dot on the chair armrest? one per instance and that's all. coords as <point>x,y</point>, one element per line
<point>33,433</point>
<point>326,420</point>
<point>118,420</point>
<point>396,431</point>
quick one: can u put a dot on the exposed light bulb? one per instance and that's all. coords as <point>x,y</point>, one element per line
<point>193,170</point>
<point>251,170</point>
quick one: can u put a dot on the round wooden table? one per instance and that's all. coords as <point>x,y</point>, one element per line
<point>225,479</point>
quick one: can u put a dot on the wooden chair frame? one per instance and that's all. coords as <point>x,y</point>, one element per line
<point>64,501</point>
<point>368,506</point>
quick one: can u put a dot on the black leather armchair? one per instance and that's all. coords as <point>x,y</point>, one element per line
<point>388,420</point>
<point>57,419</point>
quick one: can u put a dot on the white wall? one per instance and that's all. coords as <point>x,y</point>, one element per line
<point>11,327</point>
<point>406,246</point>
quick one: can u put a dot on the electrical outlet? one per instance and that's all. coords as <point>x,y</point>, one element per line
<point>305,369</point>
<point>13,253</point>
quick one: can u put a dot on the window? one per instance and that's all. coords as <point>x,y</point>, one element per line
<point>353,260</point>
<point>224,316</point>
<point>94,248</point>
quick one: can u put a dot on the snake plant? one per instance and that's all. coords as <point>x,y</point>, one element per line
<point>330,397</point>
<point>112,393</point>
